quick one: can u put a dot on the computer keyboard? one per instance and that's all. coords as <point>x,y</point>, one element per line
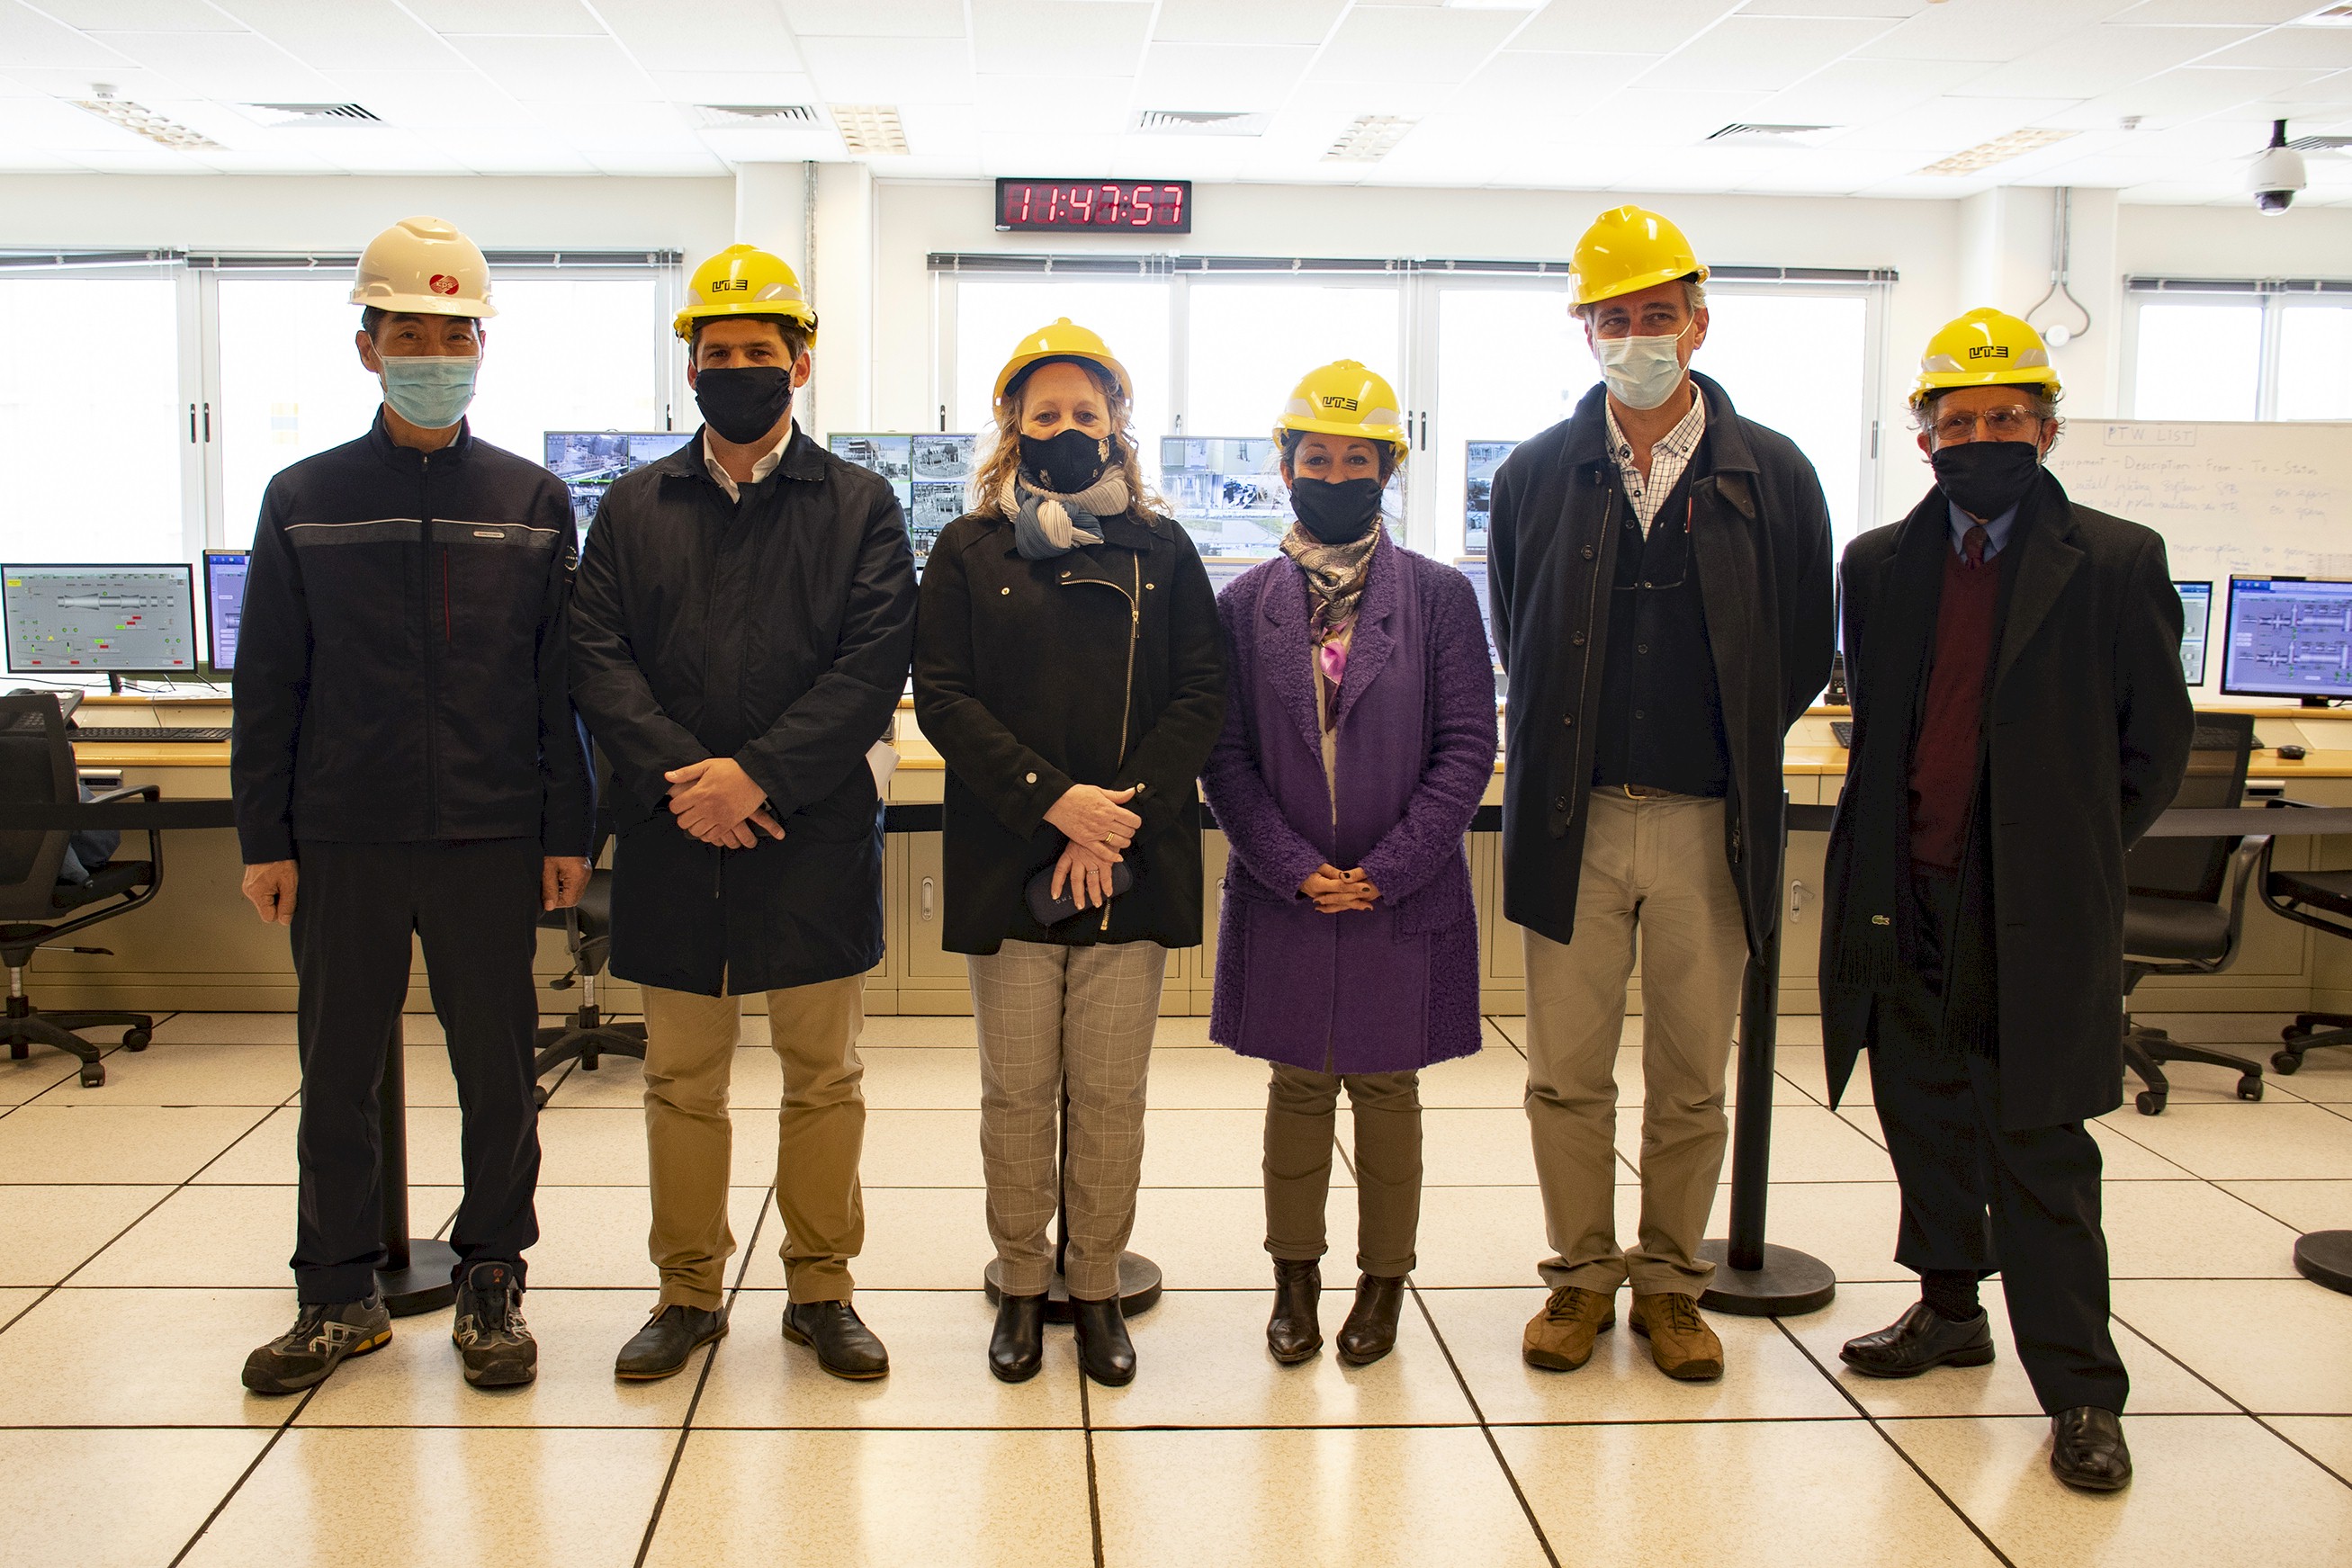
<point>1841,730</point>
<point>151,733</point>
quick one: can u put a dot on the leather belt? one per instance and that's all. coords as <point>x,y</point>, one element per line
<point>1644,792</point>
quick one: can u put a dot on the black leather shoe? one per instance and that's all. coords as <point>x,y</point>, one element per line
<point>845,1346</point>
<point>1920,1339</point>
<point>1295,1332</point>
<point>2087,1449</point>
<point>1370,1329</point>
<point>1017,1349</point>
<point>660,1348</point>
<point>1105,1352</point>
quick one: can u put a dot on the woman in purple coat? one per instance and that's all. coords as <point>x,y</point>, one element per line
<point>1359,733</point>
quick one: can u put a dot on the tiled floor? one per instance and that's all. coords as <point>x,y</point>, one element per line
<point>144,1226</point>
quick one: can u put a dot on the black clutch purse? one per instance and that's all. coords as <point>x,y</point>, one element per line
<point>1048,910</point>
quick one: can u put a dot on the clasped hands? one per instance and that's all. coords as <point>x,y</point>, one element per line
<point>715,801</point>
<point>1099,828</point>
<point>1335,891</point>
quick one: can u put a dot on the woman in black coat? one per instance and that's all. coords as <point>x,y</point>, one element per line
<point>1069,668</point>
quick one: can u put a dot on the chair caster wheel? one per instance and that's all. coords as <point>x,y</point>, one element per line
<point>137,1040</point>
<point>93,1075</point>
<point>2284,1062</point>
<point>2148,1104</point>
<point>2250,1087</point>
<point>539,1095</point>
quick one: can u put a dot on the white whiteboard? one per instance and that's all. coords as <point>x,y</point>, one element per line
<point>2252,499</point>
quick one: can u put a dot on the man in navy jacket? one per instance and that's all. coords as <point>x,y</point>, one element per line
<point>406,763</point>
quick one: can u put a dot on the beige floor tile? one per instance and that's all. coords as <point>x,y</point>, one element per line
<point>920,1030</point>
<point>606,1147</point>
<point>2159,1385</point>
<point>1202,1361</point>
<point>912,1078</point>
<point>1363,1498</point>
<point>2191,1230</point>
<point>876,1500</point>
<point>265,1154</point>
<point>2300,1206</point>
<point>1813,1494</point>
<point>228,1237</point>
<point>1481,1236</point>
<point>2199,1084</point>
<point>332,1496</point>
<point>1631,1085</point>
<point>1494,1080</point>
<point>82,1142</point>
<point>593,1237</point>
<point>2231,1331</point>
<point>1213,1239</point>
<point>1848,1225</point>
<point>172,1073</point>
<point>41,1071</point>
<point>1809,1144</point>
<point>917,1239</point>
<point>1764,1376</point>
<point>2206,1490</point>
<point>115,1499</point>
<point>226,1028</point>
<point>1184,1079</point>
<point>47,1232</point>
<point>2123,1158</point>
<point>2327,1439</point>
<point>1180,1034</point>
<point>2236,1031</point>
<point>1211,1148</point>
<point>172,1359</point>
<point>1511,1027</point>
<point>2274,1141</point>
<point>919,1148</point>
<point>584,1147</point>
<point>619,1083</point>
<point>417,1380</point>
<point>1803,1067</point>
<point>14,1302</point>
<point>2326,1077</point>
<point>938,1370</point>
<point>1470,1147</point>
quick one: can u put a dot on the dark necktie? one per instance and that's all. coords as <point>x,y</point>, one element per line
<point>1973,543</point>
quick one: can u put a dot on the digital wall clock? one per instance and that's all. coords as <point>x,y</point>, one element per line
<point>1095,206</point>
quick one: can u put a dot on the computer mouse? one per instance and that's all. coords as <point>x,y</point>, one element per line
<point>2290,753</point>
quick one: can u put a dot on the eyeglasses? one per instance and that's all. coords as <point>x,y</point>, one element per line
<point>2001,423</point>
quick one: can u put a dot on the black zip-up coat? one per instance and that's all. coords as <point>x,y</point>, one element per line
<point>400,668</point>
<point>1760,545</point>
<point>1024,671</point>
<point>775,631</point>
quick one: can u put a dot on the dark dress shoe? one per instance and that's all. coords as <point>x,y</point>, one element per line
<point>1105,1352</point>
<point>1370,1329</point>
<point>1295,1332</point>
<point>1017,1349</point>
<point>660,1348</point>
<point>2087,1449</point>
<point>1920,1339</point>
<point>845,1346</point>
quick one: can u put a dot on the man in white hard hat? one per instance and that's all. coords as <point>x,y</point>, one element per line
<point>407,766</point>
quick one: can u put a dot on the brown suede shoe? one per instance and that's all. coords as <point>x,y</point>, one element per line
<point>1559,1338</point>
<point>1680,1341</point>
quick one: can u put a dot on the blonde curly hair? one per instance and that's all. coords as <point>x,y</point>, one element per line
<point>1002,459</point>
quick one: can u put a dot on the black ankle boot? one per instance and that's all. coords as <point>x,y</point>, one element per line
<point>1370,1329</point>
<point>1105,1352</point>
<point>1295,1332</point>
<point>1017,1349</point>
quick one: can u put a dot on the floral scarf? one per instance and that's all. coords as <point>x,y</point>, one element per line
<point>1336,575</point>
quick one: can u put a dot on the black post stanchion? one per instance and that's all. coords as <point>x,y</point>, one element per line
<point>1139,1277</point>
<point>1754,1277</point>
<point>416,1273</point>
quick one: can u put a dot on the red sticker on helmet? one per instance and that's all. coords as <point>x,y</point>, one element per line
<point>442,282</point>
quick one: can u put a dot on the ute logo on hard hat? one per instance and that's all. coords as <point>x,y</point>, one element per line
<point>721,284</point>
<point>1350,404</point>
<point>1989,351</point>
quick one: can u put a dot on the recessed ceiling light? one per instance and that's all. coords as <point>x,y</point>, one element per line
<point>1199,122</point>
<point>310,114</point>
<point>1370,139</point>
<point>2000,150</point>
<point>870,130</point>
<point>754,116</point>
<point>141,121</point>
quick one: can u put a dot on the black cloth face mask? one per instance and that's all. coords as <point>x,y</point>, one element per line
<point>1340,513</point>
<point>1986,478</point>
<point>744,403</point>
<point>1064,463</point>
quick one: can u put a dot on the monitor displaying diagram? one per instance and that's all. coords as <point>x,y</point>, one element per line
<point>101,620</point>
<point>2288,637</point>
<point>2196,616</point>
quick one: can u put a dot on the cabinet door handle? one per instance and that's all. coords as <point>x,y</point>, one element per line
<point>930,897</point>
<point>1797,894</point>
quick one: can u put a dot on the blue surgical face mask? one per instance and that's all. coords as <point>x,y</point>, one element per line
<point>1641,372</point>
<point>430,391</point>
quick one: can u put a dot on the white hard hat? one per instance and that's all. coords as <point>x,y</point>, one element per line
<point>425,266</point>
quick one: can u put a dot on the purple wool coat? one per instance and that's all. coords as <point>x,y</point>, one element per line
<point>1395,987</point>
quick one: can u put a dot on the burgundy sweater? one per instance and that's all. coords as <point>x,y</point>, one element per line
<point>1946,752</point>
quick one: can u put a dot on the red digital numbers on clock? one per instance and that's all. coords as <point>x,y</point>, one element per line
<point>1073,207</point>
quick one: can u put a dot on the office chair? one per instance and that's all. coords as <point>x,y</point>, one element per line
<point>2311,898</point>
<point>2186,906</point>
<point>587,930</point>
<point>37,767</point>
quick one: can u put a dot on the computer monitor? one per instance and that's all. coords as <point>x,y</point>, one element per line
<point>928,473</point>
<point>224,603</point>
<point>588,461</point>
<point>2196,618</point>
<point>1227,491</point>
<point>114,620</point>
<point>1480,459</point>
<point>2288,637</point>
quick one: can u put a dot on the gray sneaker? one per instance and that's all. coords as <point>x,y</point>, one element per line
<point>323,1334</point>
<point>489,1330</point>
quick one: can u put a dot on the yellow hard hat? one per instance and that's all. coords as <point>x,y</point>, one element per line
<point>1343,398</point>
<point>1063,339</point>
<point>1985,348</point>
<point>745,280</point>
<point>423,266</point>
<point>1626,250</point>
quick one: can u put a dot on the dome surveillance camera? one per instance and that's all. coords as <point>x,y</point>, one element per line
<point>2276,175</point>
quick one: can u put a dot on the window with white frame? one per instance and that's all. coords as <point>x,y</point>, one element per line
<point>993,314</point>
<point>2220,350</point>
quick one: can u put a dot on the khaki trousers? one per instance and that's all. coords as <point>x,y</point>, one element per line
<point>689,1054</point>
<point>1048,1017</point>
<point>1301,1108</point>
<point>1656,868</point>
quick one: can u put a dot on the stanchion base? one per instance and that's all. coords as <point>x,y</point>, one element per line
<point>1138,1288</point>
<point>1790,1285</point>
<point>425,1286</point>
<point>2325,1257</point>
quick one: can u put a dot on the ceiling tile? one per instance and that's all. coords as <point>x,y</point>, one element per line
<point>2092,60</point>
<point>1892,9</point>
<point>699,161</point>
<point>2295,47</point>
<point>376,34</point>
<point>1948,125</point>
<point>1983,29</point>
<point>2215,13</point>
<point>521,18</point>
<point>140,16</point>
<point>243,67</point>
<point>1219,75</point>
<point>1400,44</point>
<point>554,70</point>
<point>29,40</point>
<point>1654,29</point>
<point>1080,40</point>
<point>1763,51</point>
<point>866,19</point>
<point>1545,86</point>
<point>735,87</point>
<point>776,145</point>
<point>889,70</point>
<point>1011,99</point>
<point>757,39</point>
<point>1247,21</point>
<point>1853,92</point>
<point>432,100</point>
<point>2181,95</point>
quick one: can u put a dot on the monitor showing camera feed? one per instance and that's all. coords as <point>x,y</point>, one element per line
<point>224,603</point>
<point>1475,570</point>
<point>101,620</point>
<point>1481,459</point>
<point>2195,617</point>
<point>588,461</point>
<point>2288,637</point>
<point>929,473</point>
<point>1227,491</point>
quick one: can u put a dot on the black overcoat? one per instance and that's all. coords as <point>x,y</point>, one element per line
<point>777,632</point>
<point>1104,665</point>
<point>2087,729</point>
